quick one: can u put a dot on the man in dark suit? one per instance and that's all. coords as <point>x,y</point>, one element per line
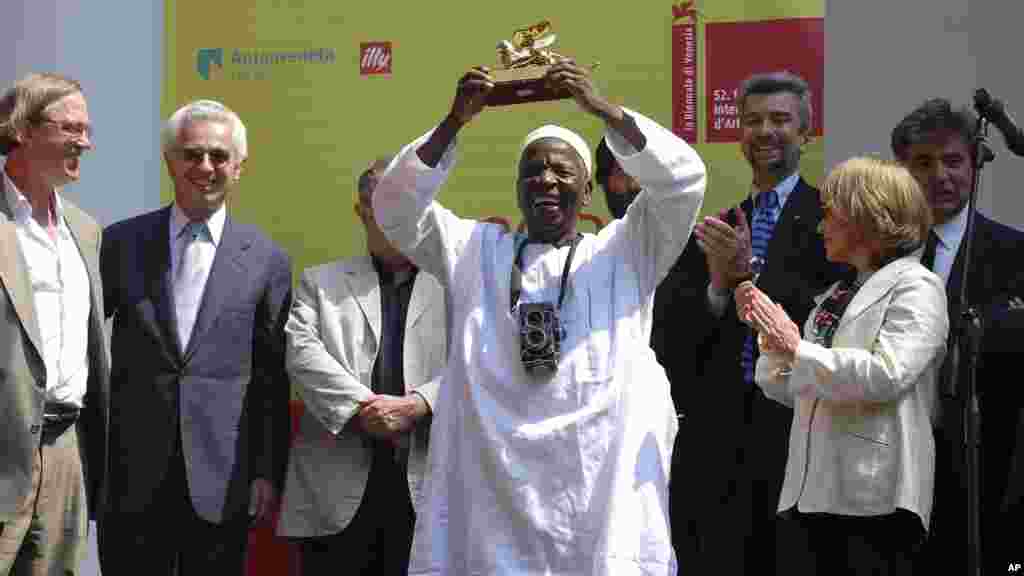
<point>935,143</point>
<point>730,453</point>
<point>53,352</point>
<point>199,394</point>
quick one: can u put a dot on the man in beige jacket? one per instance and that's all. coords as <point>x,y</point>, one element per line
<point>366,346</point>
<point>54,358</point>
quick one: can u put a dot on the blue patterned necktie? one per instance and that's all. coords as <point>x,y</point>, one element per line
<point>189,278</point>
<point>765,213</point>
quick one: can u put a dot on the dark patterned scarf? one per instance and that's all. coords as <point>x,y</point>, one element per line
<point>826,319</point>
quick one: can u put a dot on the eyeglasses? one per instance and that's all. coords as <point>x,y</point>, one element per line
<point>74,129</point>
<point>218,156</point>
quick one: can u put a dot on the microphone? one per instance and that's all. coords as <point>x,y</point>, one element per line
<point>993,110</point>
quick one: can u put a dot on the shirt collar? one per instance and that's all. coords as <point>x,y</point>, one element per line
<point>396,278</point>
<point>16,201</point>
<point>951,231</point>
<point>782,189</point>
<point>215,223</point>
<point>21,208</point>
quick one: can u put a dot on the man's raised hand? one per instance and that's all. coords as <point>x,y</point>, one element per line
<point>471,94</point>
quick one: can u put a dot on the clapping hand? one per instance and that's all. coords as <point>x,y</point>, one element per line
<point>776,332</point>
<point>727,248</point>
<point>744,296</point>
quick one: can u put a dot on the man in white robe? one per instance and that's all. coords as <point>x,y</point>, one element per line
<point>562,472</point>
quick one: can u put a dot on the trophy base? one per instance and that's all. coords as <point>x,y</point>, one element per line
<point>522,85</point>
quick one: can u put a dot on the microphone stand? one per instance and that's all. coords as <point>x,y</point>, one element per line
<point>968,332</point>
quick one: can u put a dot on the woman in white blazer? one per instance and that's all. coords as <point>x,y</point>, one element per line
<point>861,381</point>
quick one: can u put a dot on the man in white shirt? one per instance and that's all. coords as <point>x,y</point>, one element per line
<point>54,358</point>
<point>935,142</point>
<point>552,434</point>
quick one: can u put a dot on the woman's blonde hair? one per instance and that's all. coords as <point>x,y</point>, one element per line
<point>883,201</point>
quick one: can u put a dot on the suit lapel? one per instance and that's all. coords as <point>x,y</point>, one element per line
<point>877,286</point>
<point>798,205</point>
<point>228,265</point>
<point>787,236</point>
<point>363,283</point>
<point>955,282</point>
<point>99,361</point>
<point>420,300</point>
<point>158,280</point>
<point>14,276</point>
<point>14,273</point>
<point>87,249</point>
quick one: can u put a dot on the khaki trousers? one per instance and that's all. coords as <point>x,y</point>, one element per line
<point>48,536</point>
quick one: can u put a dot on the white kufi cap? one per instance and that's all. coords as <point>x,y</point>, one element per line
<point>568,136</point>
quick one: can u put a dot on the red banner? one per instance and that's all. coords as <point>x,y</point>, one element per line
<point>684,73</point>
<point>793,44</point>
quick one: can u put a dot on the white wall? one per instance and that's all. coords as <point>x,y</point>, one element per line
<point>883,58</point>
<point>115,51</point>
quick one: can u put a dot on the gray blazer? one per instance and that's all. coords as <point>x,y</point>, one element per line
<point>333,341</point>
<point>861,441</point>
<point>23,372</point>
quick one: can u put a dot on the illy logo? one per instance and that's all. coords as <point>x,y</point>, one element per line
<point>374,58</point>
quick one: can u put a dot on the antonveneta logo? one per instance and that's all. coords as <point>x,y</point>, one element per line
<point>374,58</point>
<point>256,64</point>
<point>207,59</point>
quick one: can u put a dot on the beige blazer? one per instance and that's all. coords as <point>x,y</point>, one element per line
<point>333,340</point>
<point>23,372</point>
<point>861,439</point>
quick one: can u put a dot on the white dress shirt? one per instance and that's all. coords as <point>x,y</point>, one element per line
<point>950,234</point>
<point>565,474</point>
<point>207,246</point>
<point>60,296</point>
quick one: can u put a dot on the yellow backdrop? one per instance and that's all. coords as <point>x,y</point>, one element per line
<point>291,69</point>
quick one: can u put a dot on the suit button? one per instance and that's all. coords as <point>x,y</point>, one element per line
<point>34,429</point>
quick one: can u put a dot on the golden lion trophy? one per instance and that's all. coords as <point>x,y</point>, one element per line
<point>523,62</point>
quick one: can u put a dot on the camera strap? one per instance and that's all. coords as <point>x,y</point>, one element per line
<point>516,280</point>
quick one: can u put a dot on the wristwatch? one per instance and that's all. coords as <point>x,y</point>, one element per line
<point>753,272</point>
<point>750,276</point>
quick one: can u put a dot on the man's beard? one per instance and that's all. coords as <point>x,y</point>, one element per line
<point>788,164</point>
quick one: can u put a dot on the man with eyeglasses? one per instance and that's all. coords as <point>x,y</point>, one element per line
<point>199,394</point>
<point>53,353</point>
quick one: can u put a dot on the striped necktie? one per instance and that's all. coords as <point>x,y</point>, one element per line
<point>765,214</point>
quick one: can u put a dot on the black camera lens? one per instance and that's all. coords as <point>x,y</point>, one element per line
<point>536,339</point>
<point>535,318</point>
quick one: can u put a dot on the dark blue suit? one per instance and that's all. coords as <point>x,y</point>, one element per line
<point>996,275</point>
<point>191,429</point>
